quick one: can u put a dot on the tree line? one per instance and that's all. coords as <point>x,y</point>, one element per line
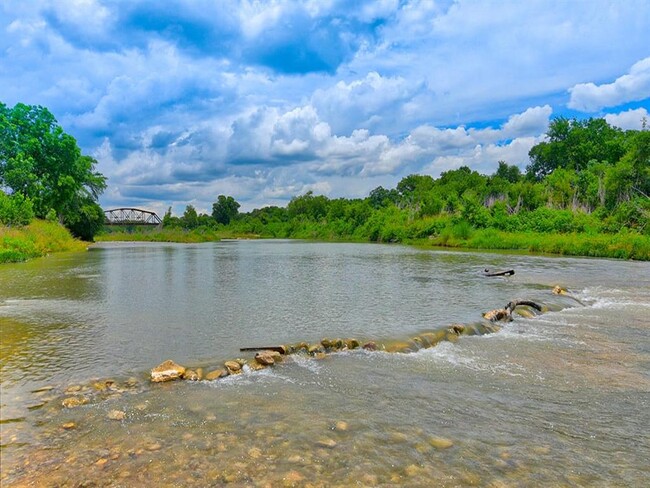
<point>586,177</point>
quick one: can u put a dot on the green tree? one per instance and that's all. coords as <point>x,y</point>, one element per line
<point>43,163</point>
<point>190,219</point>
<point>225,209</point>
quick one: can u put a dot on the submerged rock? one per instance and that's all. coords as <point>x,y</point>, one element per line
<point>190,375</point>
<point>116,415</point>
<point>441,442</point>
<point>74,401</point>
<point>213,375</point>
<point>167,371</point>
<point>558,290</point>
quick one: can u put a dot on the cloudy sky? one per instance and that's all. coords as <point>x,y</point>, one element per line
<point>183,100</point>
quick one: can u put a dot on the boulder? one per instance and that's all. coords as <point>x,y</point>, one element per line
<point>213,375</point>
<point>265,358</point>
<point>191,375</point>
<point>167,371</point>
<point>233,367</point>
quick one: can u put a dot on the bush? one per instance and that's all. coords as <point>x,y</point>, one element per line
<point>15,210</point>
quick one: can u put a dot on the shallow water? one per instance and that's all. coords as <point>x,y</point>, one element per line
<point>558,399</point>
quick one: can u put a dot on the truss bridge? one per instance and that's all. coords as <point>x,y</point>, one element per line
<point>131,216</point>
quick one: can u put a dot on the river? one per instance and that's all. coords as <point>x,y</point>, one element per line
<point>556,399</point>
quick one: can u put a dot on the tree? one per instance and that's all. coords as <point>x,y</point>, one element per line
<point>508,173</point>
<point>43,163</point>
<point>225,209</point>
<point>190,219</point>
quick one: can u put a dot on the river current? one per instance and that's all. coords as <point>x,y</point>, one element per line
<point>556,399</point>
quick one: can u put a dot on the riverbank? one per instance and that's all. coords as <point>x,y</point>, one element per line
<point>623,245</point>
<point>35,240</point>
<point>619,246</point>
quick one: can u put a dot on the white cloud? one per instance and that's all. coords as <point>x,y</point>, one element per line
<point>634,86</point>
<point>630,119</point>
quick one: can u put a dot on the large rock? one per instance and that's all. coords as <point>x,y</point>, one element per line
<point>233,367</point>
<point>265,358</point>
<point>167,371</point>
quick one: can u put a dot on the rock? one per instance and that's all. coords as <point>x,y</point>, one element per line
<point>341,425</point>
<point>558,290</point>
<point>167,371</point>
<point>190,375</point>
<point>265,358</point>
<point>69,426</point>
<point>441,442</point>
<point>233,367</point>
<point>315,349</point>
<point>497,315</point>
<point>213,375</point>
<point>132,382</point>
<point>116,415</point>
<point>74,401</point>
<point>73,389</point>
<point>255,366</point>
<point>293,477</point>
<point>370,346</point>
<point>326,343</point>
<point>154,446</point>
<point>328,443</point>
<point>199,373</point>
<point>457,329</point>
<point>352,343</point>
<point>101,462</point>
<point>412,470</point>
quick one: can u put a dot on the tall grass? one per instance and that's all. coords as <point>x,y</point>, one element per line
<point>35,240</point>
<point>624,245</point>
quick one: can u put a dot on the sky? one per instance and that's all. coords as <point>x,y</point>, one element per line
<point>180,101</point>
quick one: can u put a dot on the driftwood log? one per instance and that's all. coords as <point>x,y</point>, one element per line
<point>510,272</point>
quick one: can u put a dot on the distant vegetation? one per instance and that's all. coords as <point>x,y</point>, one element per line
<point>585,192</point>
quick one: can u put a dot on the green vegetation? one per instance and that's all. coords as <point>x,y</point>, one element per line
<point>584,193</point>
<point>44,175</point>
<point>37,239</point>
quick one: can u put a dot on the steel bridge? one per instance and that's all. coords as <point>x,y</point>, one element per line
<point>131,216</point>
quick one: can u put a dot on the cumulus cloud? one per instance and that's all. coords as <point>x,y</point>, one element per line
<point>631,87</point>
<point>629,119</point>
<point>267,100</point>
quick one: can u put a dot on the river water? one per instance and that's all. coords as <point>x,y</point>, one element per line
<point>557,399</point>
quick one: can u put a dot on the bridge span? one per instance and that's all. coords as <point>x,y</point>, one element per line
<point>131,216</point>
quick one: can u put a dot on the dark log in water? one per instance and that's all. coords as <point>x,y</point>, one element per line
<point>510,272</point>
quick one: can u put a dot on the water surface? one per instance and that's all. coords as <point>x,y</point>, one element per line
<point>560,399</point>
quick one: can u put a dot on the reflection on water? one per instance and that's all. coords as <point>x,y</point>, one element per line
<point>561,399</point>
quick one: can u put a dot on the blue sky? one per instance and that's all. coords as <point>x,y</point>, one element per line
<point>183,100</point>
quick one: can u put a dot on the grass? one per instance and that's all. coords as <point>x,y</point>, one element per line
<point>623,245</point>
<point>202,234</point>
<point>37,239</point>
